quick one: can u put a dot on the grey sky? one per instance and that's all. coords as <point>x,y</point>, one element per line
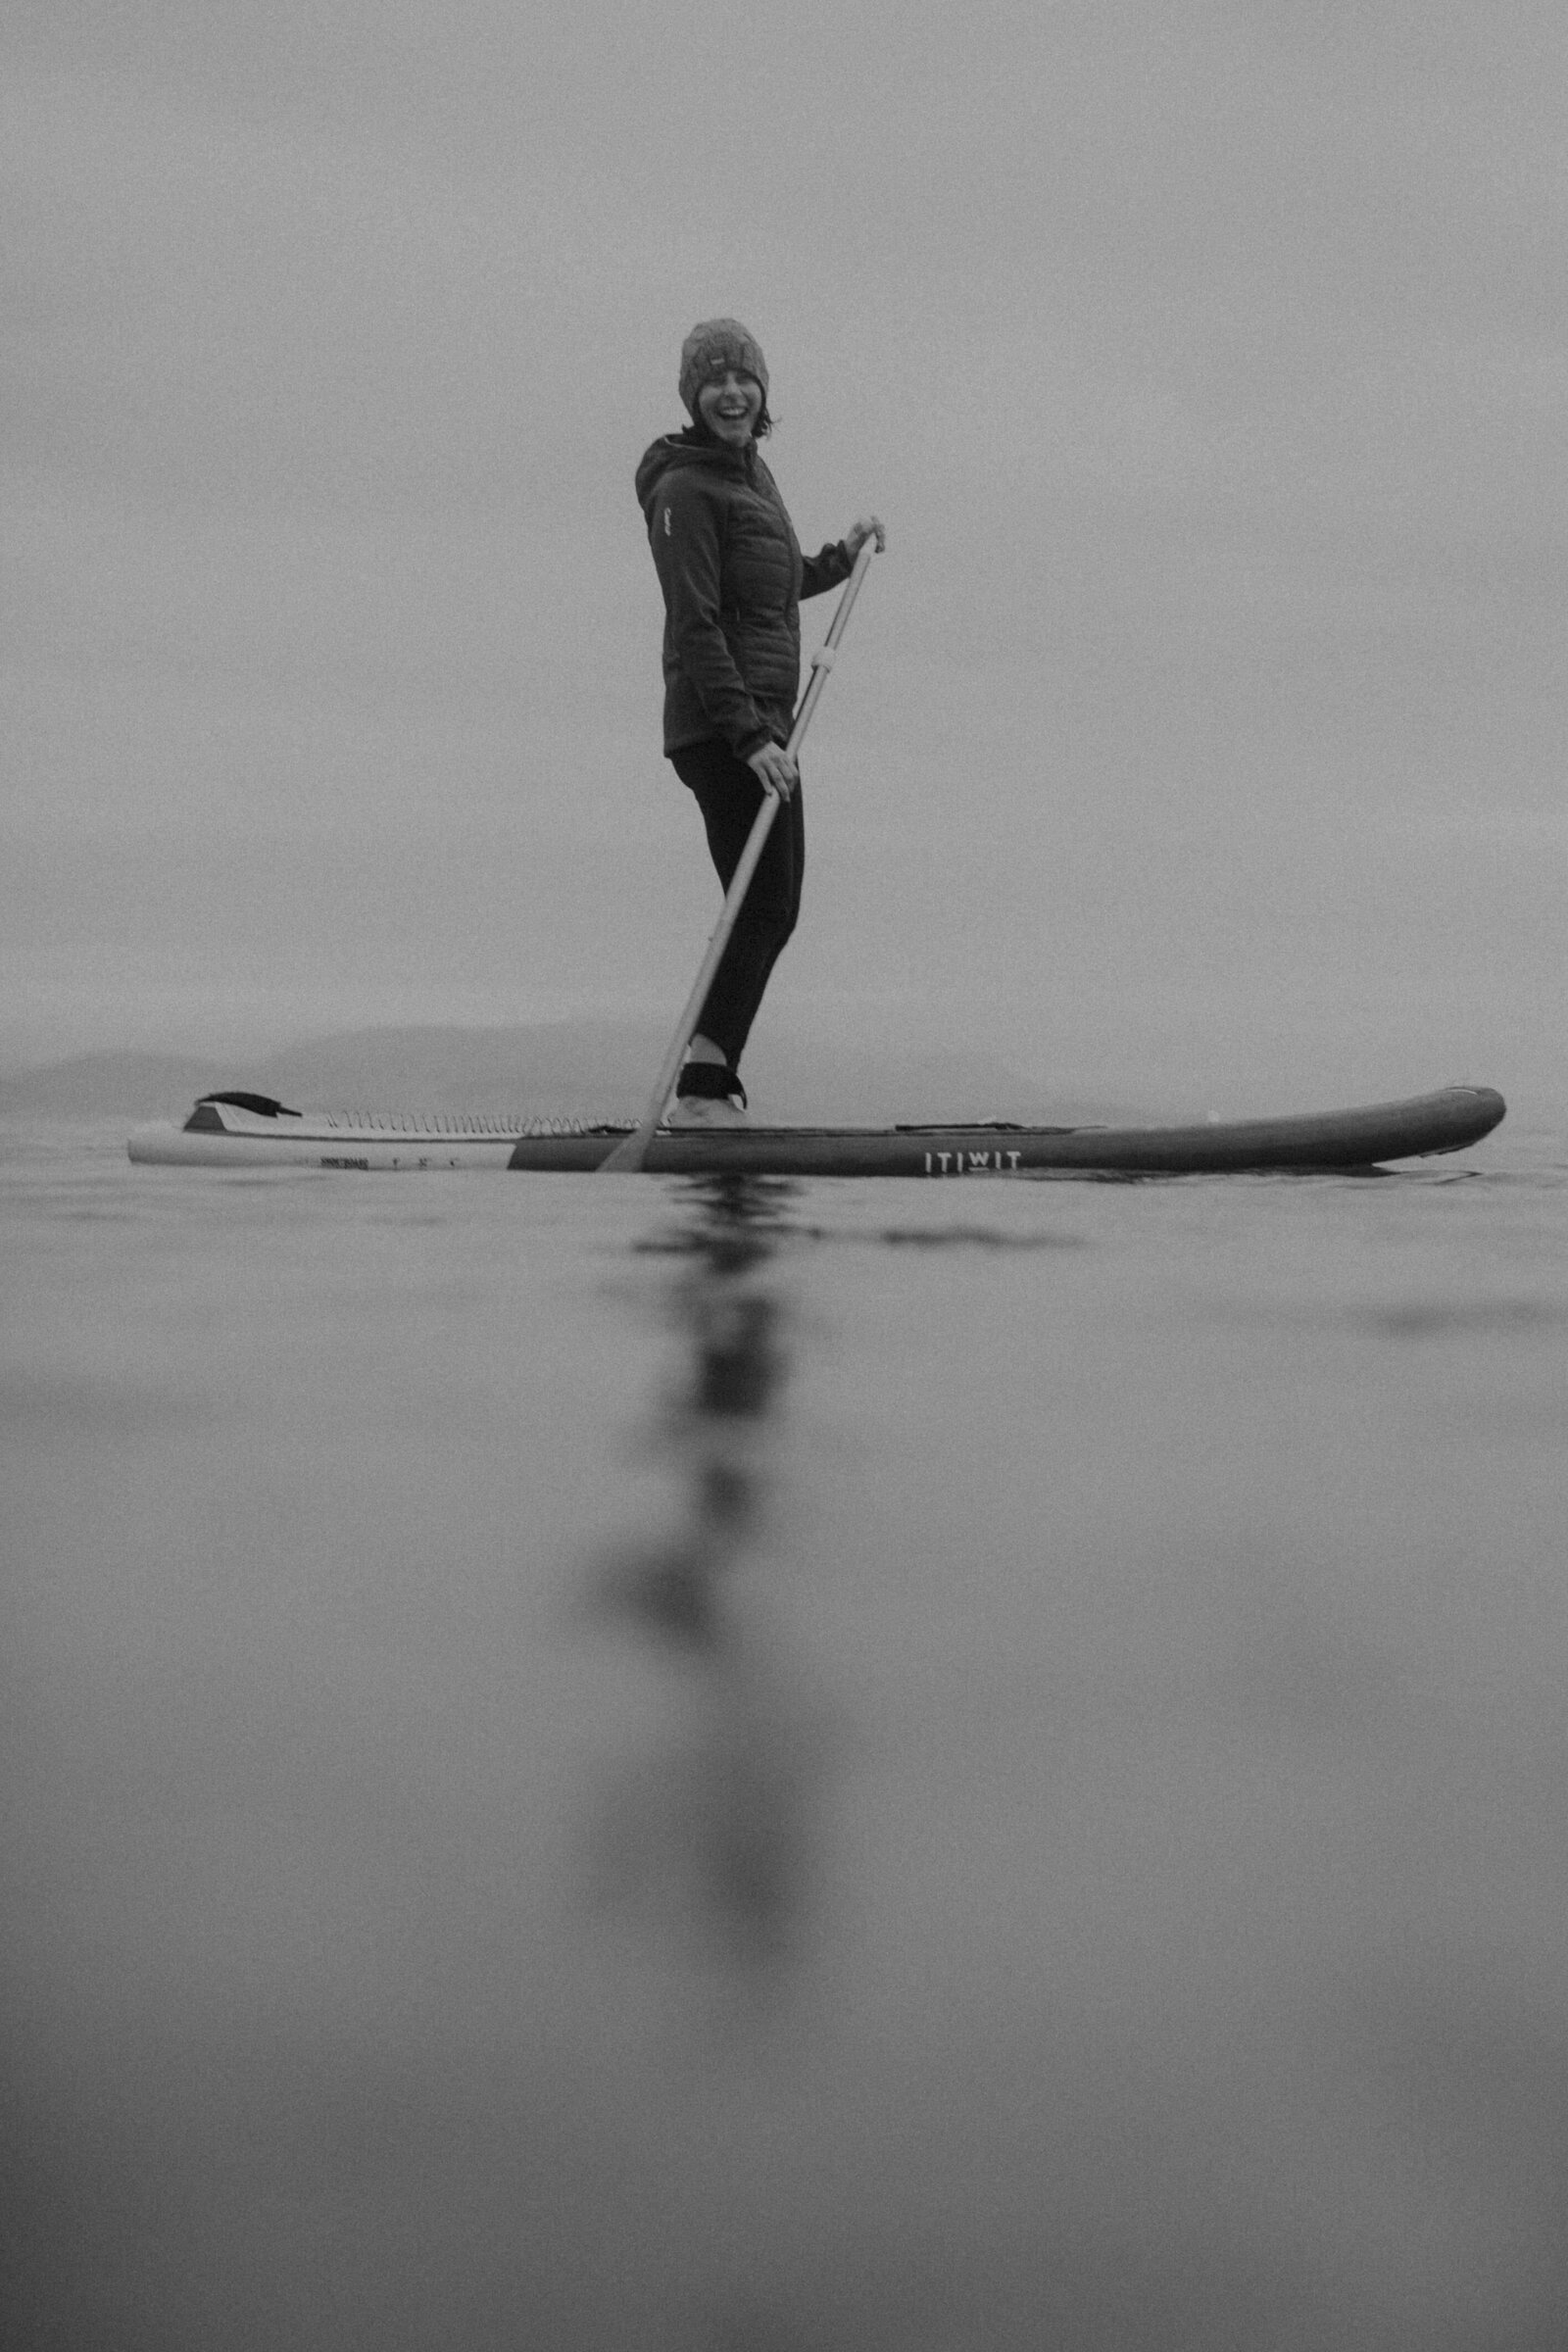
<point>1209,362</point>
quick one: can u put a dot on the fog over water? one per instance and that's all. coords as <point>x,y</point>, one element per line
<point>649,1764</point>
<point>639,1767</point>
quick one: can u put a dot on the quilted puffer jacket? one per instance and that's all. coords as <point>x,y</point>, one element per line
<point>733,575</point>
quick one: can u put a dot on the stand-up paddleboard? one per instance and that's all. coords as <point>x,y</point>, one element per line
<point>237,1129</point>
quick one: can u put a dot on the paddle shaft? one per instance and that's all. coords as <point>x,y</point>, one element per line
<point>627,1155</point>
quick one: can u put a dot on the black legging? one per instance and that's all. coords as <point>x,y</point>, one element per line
<point>730,796</point>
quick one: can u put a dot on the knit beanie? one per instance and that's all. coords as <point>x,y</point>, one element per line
<point>712,346</point>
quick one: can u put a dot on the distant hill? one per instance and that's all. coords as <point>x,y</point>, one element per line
<point>576,1068</point>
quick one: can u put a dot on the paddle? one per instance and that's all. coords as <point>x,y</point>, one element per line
<point>627,1155</point>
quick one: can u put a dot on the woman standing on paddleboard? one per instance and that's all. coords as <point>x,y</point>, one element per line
<point>733,574</point>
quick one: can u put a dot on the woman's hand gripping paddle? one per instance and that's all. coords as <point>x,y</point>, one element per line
<point>627,1155</point>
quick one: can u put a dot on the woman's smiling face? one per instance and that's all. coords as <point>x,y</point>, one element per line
<point>729,405</point>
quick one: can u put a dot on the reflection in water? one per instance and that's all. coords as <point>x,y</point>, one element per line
<point>714,1834</point>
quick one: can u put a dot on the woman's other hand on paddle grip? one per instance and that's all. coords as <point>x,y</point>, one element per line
<point>862,528</point>
<point>774,768</point>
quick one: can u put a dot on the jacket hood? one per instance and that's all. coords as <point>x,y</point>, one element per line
<point>672,451</point>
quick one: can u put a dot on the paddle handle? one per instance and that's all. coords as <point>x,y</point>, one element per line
<point>822,658</point>
<point>627,1155</point>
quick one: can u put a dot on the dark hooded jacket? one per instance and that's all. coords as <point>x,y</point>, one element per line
<point>733,576</point>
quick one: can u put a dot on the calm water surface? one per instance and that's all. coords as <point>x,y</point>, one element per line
<point>665,1767</point>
